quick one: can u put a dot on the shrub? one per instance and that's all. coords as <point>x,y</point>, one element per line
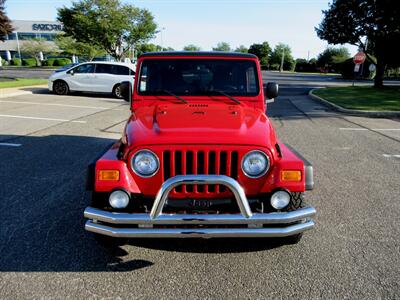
<point>302,65</point>
<point>48,62</point>
<point>29,62</point>
<point>3,62</point>
<point>62,62</point>
<point>347,69</point>
<point>16,62</point>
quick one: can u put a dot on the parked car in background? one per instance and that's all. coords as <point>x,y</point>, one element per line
<point>95,77</point>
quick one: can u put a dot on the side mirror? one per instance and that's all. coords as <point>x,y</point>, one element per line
<point>271,91</point>
<point>126,90</point>
<point>71,72</point>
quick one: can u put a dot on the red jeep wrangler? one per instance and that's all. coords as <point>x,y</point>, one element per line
<point>199,157</point>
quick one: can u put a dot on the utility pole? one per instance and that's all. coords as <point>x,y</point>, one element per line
<point>19,50</point>
<point>308,56</point>
<point>282,60</point>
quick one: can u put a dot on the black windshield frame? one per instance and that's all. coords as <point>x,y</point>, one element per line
<point>236,68</point>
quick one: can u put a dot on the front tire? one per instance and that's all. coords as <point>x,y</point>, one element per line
<point>60,88</point>
<point>117,91</point>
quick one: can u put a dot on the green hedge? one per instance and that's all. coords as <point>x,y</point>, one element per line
<point>58,62</point>
<point>62,62</point>
<point>16,62</point>
<point>48,62</point>
<point>29,62</point>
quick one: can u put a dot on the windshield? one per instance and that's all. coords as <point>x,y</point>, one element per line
<point>198,77</point>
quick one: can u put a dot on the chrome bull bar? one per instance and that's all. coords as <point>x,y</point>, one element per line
<point>140,225</point>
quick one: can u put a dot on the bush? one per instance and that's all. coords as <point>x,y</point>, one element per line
<point>16,62</point>
<point>3,62</point>
<point>29,62</point>
<point>347,69</point>
<point>302,65</point>
<point>48,62</point>
<point>62,62</point>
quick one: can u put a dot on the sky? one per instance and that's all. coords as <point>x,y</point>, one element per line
<point>207,22</point>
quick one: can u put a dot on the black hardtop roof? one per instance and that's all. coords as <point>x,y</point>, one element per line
<point>199,53</point>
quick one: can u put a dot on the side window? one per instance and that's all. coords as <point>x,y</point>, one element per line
<point>103,69</point>
<point>121,70</point>
<point>86,68</point>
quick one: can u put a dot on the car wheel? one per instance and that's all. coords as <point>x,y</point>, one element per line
<point>117,92</point>
<point>60,88</point>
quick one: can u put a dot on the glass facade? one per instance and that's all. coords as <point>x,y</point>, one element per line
<point>23,36</point>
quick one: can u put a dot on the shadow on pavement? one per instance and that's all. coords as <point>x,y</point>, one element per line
<point>228,245</point>
<point>45,91</point>
<point>42,201</point>
<point>41,209</point>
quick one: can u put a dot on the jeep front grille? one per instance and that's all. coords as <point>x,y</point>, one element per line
<point>183,162</point>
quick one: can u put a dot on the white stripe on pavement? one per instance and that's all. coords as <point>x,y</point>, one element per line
<point>54,104</point>
<point>44,119</point>
<point>391,155</point>
<point>371,129</point>
<point>10,145</point>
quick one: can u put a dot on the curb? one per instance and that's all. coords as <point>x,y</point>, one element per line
<point>354,112</point>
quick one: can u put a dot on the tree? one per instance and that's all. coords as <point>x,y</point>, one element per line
<point>5,23</point>
<point>242,49</point>
<point>35,47</point>
<point>331,58</point>
<point>143,48</point>
<point>276,58</point>
<point>222,46</point>
<point>354,22</point>
<point>70,46</point>
<point>303,65</point>
<point>108,24</point>
<point>191,47</point>
<point>262,51</point>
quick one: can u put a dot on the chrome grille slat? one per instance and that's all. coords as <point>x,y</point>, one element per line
<point>204,161</point>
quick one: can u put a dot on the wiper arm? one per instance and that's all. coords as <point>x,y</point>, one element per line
<point>228,96</point>
<point>176,96</point>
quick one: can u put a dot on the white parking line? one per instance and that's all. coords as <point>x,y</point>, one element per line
<point>372,129</point>
<point>43,119</point>
<point>10,145</point>
<point>54,104</point>
<point>391,155</point>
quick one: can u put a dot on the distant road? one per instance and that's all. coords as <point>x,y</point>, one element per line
<point>25,73</point>
<point>301,83</point>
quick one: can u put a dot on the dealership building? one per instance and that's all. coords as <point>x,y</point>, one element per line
<point>28,30</point>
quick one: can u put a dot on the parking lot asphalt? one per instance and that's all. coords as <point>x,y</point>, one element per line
<point>46,142</point>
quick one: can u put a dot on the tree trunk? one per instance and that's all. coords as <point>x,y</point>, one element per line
<point>380,72</point>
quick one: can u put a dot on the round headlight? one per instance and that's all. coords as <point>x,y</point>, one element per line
<point>118,199</point>
<point>280,199</point>
<point>145,163</point>
<point>255,164</point>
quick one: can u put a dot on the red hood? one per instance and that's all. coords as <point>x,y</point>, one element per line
<point>168,123</point>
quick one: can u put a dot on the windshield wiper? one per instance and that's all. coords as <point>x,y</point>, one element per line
<point>228,96</point>
<point>176,96</point>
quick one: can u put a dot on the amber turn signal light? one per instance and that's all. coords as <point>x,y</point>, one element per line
<point>290,175</point>
<point>109,175</point>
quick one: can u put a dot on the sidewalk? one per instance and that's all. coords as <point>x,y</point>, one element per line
<point>23,90</point>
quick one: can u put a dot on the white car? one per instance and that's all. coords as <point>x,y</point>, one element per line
<point>95,77</point>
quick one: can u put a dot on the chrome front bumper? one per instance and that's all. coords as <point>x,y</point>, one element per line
<point>143,225</point>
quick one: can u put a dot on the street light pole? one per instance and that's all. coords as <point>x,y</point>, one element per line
<point>282,60</point>
<point>18,48</point>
